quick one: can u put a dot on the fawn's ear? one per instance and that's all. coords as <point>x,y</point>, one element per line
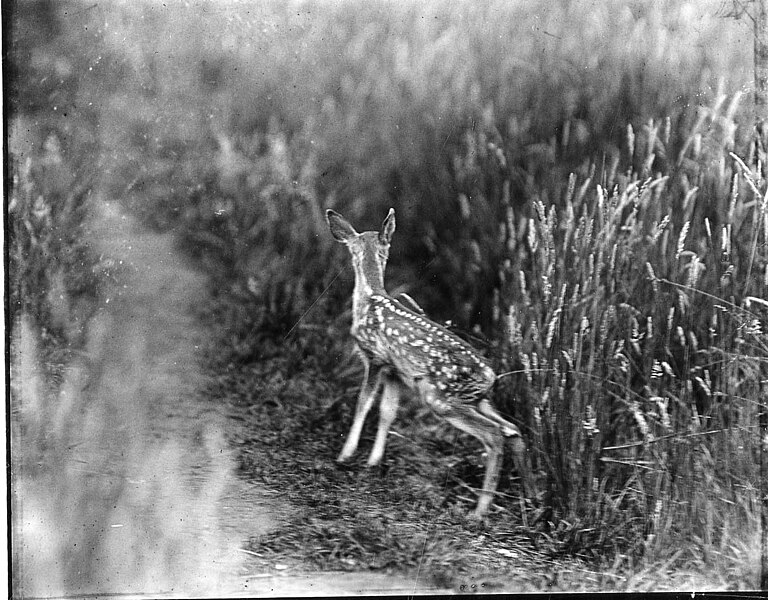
<point>341,230</point>
<point>387,227</point>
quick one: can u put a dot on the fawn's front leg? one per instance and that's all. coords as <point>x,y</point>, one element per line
<point>368,390</point>
<point>390,400</point>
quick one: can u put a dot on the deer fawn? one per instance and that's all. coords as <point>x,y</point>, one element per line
<point>403,351</point>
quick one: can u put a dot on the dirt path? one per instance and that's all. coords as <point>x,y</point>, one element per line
<point>132,488</point>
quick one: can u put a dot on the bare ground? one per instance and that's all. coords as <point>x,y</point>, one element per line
<point>124,481</point>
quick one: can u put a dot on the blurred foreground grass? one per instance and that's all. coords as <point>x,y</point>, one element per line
<point>564,187</point>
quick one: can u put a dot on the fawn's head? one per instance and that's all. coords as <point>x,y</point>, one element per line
<point>369,250</point>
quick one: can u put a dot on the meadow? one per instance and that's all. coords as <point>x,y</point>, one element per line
<point>577,192</point>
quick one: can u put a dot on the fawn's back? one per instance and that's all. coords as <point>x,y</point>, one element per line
<point>420,350</point>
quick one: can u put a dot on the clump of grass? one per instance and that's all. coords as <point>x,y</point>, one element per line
<point>635,318</point>
<point>55,277</point>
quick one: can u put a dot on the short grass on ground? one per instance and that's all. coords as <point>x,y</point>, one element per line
<point>408,516</point>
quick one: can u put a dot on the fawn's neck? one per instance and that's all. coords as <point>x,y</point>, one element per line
<point>369,280</point>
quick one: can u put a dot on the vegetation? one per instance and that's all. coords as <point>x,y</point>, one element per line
<point>575,187</point>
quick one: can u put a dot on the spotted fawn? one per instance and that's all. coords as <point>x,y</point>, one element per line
<point>402,350</point>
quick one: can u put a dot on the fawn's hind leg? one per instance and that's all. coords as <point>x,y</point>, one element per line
<point>489,433</point>
<point>369,389</point>
<point>519,455</point>
<point>489,430</point>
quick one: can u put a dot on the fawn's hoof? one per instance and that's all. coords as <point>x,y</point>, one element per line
<point>477,519</point>
<point>344,465</point>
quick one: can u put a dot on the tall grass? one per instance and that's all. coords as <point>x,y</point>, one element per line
<point>634,307</point>
<point>55,275</point>
<point>377,102</point>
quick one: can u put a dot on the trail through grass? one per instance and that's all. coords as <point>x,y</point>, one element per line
<point>124,479</point>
